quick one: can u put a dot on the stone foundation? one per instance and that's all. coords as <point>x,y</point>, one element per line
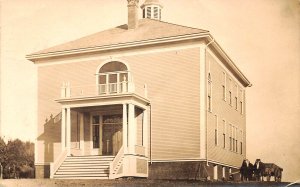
<point>42,171</point>
<point>189,170</point>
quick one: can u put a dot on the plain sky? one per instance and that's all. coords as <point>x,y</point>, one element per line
<point>261,36</point>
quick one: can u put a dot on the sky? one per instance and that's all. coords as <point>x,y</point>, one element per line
<point>261,37</point>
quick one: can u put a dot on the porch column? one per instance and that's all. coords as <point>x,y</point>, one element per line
<point>81,143</point>
<point>68,139</point>
<point>63,129</point>
<point>125,138</point>
<point>145,131</point>
<point>131,129</point>
<point>215,172</point>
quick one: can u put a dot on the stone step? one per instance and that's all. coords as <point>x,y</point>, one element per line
<point>79,177</point>
<point>82,172</point>
<point>85,167</point>
<point>83,164</point>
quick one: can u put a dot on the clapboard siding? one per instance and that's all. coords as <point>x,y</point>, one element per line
<point>172,79</point>
<point>224,111</point>
<point>50,79</point>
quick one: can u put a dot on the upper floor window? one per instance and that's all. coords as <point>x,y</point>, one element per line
<point>241,102</point>
<point>230,99</point>
<point>224,86</point>
<point>113,78</point>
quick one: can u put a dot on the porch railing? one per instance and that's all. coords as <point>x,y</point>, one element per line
<point>68,91</point>
<point>56,164</point>
<point>116,164</point>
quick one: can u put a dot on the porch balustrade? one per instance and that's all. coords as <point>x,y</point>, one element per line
<point>125,87</point>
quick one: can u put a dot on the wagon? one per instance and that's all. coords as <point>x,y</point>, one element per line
<point>272,169</point>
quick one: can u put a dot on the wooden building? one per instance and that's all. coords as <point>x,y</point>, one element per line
<point>144,99</point>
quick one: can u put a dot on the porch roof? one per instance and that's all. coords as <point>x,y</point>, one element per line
<point>101,100</point>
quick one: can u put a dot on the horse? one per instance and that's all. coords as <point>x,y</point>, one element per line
<point>259,169</point>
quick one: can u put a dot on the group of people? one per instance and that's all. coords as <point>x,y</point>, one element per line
<point>252,172</point>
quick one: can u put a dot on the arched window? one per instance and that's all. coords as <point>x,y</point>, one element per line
<point>113,78</point>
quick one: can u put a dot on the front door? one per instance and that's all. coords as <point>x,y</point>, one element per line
<point>96,128</point>
<point>112,137</point>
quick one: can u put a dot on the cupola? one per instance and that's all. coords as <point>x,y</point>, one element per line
<point>152,9</point>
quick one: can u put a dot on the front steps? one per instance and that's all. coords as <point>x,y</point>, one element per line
<point>84,167</point>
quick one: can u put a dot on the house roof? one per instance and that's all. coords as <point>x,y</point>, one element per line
<point>148,29</point>
<point>148,32</point>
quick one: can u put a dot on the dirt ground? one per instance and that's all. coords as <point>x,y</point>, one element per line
<point>125,183</point>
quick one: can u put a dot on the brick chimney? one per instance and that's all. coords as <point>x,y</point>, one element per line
<point>133,16</point>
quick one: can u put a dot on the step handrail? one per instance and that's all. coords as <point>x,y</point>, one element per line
<point>114,163</point>
<point>57,163</point>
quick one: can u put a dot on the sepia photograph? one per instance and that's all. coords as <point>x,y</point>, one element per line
<point>149,93</point>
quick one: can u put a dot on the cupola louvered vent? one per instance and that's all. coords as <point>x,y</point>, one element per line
<point>152,9</point>
<point>149,12</point>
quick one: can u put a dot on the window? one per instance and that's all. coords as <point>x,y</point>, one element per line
<point>241,148</point>
<point>230,101</point>
<point>216,137</point>
<point>209,87</point>
<point>236,103</point>
<point>95,132</point>
<point>230,139</point>
<point>233,138</point>
<point>224,86</point>
<point>236,146</point>
<point>242,138</point>
<point>233,144</point>
<point>229,92</point>
<point>209,103</point>
<point>216,130</point>
<point>241,102</point>
<point>113,78</point>
<point>224,134</point>
<point>241,105</point>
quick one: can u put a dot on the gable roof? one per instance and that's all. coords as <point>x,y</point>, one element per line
<point>148,32</point>
<point>148,29</point>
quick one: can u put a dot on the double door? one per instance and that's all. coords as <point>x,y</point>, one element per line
<point>107,134</point>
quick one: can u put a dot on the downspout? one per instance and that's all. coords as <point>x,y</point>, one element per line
<point>150,134</point>
<point>206,146</point>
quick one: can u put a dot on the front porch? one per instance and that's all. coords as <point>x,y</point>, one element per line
<point>105,125</point>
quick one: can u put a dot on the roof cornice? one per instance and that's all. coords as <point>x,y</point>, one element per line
<point>178,38</point>
<point>230,63</point>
